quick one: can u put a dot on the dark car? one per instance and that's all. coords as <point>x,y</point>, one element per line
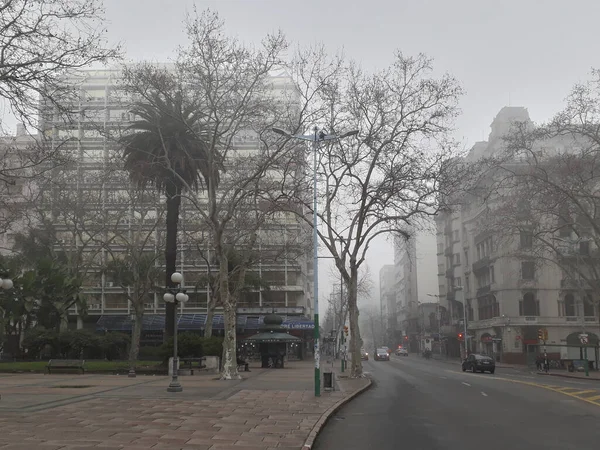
<point>479,363</point>
<point>381,354</point>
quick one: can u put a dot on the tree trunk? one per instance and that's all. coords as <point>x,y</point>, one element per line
<point>136,333</point>
<point>64,321</point>
<point>355,339</point>
<point>229,365</point>
<point>210,314</point>
<point>173,203</point>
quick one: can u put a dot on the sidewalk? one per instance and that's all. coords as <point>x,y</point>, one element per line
<point>268,409</point>
<point>594,374</point>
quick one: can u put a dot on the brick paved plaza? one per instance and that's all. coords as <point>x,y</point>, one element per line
<point>268,409</point>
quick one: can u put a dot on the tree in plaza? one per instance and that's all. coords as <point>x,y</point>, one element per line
<point>540,194</point>
<point>131,264</point>
<point>167,147</point>
<point>388,178</point>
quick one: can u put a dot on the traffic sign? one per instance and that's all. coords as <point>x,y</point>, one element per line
<point>584,338</point>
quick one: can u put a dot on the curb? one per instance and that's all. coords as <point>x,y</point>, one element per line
<point>310,440</point>
<point>567,376</point>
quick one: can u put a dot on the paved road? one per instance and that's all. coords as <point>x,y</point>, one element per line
<point>431,405</point>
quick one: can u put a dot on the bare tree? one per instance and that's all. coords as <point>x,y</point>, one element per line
<point>131,261</point>
<point>41,42</point>
<point>540,194</point>
<point>391,176</point>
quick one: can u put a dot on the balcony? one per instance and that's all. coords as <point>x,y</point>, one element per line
<point>568,283</point>
<point>526,284</point>
<point>530,320</point>
<point>450,273</point>
<point>481,264</point>
<point>448,251</point>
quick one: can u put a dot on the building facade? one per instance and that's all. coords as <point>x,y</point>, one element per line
<point>387,299</point>
<point>501,300</point>
<point>98,186</point>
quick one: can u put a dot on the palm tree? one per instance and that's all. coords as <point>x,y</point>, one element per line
<point>167,149</point>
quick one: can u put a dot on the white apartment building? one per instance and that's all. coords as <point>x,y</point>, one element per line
<point>387,299</point>
<point>508,299</point>
<point>108,307</point>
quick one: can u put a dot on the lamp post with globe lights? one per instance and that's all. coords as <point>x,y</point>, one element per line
<point>175,296</point>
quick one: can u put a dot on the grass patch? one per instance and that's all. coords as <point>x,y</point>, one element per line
<point>90,366</point>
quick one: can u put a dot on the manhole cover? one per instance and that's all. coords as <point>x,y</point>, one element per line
<point>74,386</point>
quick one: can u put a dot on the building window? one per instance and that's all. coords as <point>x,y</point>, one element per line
<point>467,283</point>
<point>526,239</point>
<point>584,248</point>
<point>488,307</point>
<point>440,248</point>
<point>529,306</point>
<point>570,305</point>
<point>440,269</point>
<point>466,257</point>
<point>527,270</point>
<point>492,277</point>
<point>458,282</point>
<point>588,307</point>
<point>456,236</point>
<point>457,259</point>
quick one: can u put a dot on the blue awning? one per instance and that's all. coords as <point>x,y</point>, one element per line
<point>191,322</point>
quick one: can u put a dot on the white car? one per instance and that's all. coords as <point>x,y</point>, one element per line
<point>401,352</point>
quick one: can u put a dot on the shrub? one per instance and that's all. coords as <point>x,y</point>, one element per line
<point>114,345</point>
<point>37,339</point>
<point>78,343</point>
<point>212,346</point>
<point>189,345</point>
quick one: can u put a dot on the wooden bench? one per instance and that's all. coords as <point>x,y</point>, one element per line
<point>188,363</point>
<point>66,364</point>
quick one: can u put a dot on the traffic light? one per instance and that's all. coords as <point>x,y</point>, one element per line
<point>460,336</point>
<point>346,330</point>
<point>406,338</point>
<point>545,334</point>
<point>540,334</point>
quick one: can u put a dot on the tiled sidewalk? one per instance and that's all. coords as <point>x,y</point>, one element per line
<point>272,409</point>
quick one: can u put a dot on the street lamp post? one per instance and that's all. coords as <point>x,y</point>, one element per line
<point>316,137</point>
<point>175,296</point>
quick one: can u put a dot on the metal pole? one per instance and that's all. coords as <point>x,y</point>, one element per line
<point>317,349</point>
<point>465,322</point>
<point>343,348</point>
<point>175,386</point>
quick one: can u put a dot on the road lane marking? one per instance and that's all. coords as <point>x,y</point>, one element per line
<point>595,400</point>
<point>466,384</point>
<point>444,378</point>
<point>590,391</point>
<point>484,394</point>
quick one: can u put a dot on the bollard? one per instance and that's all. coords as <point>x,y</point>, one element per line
<point>328,381</point>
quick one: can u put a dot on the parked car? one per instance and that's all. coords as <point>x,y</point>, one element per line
<point>364,355</point>
<point>401,352</point>
<point>381,354</point>
<point>479,363</point>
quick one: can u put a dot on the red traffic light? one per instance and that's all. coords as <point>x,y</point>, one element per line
<point>460,336</point>
<point>406,338</point>
<point>399,346</point>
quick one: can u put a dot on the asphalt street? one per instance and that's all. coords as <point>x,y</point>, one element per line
<point>427,405</point>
